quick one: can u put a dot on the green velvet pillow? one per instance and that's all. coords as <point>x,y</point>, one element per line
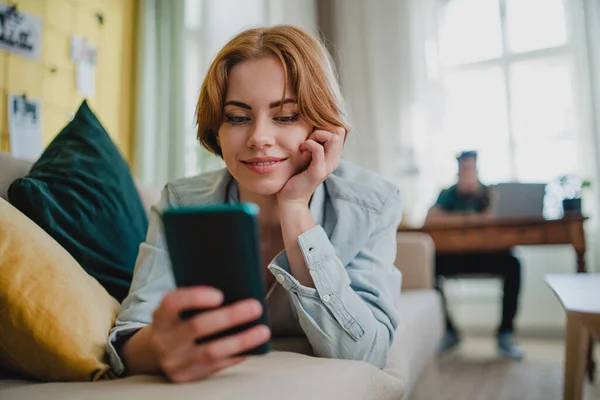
<point>81,192</point>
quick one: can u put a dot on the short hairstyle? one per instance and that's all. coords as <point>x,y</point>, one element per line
<point>467,154</point>
<point>306,65</point>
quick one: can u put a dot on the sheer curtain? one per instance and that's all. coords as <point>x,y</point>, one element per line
<point>385,52</point>
<point>159,145</point>
<point>589,17</point>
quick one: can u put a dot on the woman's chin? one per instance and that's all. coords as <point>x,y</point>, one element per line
<point>264,187</point>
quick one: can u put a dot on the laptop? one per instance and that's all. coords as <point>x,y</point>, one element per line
<point>514,199</point>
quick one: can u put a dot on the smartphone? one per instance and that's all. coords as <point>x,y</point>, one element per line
<point>218,245</point>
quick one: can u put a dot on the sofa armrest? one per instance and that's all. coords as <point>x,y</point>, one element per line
<point>415,259</point>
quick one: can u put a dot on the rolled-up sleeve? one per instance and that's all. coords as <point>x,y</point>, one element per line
<point>152,278</point>
<point>351,313</point>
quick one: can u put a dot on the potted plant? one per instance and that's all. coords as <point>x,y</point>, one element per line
<point>572,187</point>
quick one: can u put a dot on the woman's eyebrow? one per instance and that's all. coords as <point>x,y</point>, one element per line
<point>237,104</point>
<point>248,107</point>
<point>278,102</point>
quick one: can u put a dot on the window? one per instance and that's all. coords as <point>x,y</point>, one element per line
<point>511,79</point>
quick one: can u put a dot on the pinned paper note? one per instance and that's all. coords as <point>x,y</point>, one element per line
<point>84,55</point>
<point>20,32</point>
<point>25,127</point>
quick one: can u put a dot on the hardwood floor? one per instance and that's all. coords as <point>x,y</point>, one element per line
<point>473,372</point>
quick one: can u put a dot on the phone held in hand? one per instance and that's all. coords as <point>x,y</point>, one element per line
<point>218,245</point>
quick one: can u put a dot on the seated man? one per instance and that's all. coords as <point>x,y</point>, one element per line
<point>470,200</point>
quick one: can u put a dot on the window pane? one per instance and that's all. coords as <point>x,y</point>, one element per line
<point>471,31</point>
<point>475,118</point>
<point>545,161</point>
<point>535,24</point>
<point>542,99</point>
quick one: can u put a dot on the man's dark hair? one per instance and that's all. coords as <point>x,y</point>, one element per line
<point>467,154</point>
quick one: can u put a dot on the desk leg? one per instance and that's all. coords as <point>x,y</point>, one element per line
<point>581,267</point>
<point>591,365</point>
<point>575,361</point>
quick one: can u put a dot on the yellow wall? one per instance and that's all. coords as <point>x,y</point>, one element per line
<point>115,39</point>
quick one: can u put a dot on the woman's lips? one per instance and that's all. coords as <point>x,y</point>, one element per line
<point>263,165</point>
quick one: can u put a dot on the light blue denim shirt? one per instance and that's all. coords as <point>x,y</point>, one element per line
<point>351,313</point>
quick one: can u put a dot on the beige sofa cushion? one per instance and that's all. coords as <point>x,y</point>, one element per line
<point>417,337</point>
<point>281,375</point>
<point>276,376</point>
<point>415,257</point>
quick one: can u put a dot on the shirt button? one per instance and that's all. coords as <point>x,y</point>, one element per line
<point>280,278</point>
<point>326,298</point>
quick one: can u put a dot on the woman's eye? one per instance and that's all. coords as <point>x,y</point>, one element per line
<point>288,119</point>
<point>236,120</point>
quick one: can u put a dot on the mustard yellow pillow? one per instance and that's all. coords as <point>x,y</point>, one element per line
<point>54,317</point>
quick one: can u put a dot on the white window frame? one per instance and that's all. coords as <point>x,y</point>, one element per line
<point>508,58</point>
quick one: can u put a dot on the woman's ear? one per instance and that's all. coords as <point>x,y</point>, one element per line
<point>218,141</point>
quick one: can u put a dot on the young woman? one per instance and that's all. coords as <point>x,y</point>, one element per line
<point>270,106</point>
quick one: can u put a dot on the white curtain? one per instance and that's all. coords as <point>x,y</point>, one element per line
<point>159,140</point>
<point>381,49</point>
<point>590,19</point>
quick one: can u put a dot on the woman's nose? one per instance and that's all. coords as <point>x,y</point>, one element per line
<point>262,135</point>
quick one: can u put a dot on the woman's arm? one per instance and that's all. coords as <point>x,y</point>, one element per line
<point>296,219</point>
<point>351,313</point>
<point>325,148</point>
<point>138,354</point>
<point>347,312</point>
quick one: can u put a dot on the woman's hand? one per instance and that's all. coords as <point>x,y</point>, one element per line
<point>174,340</point>
<point>325,147</point>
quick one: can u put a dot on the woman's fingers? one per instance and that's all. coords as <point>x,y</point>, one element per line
<point>320,136</point>
<point>214,321</point>
<point>325,135</point>
<point>317,168</point>
<point>215,351</point>
<point>182,336</point>
<point>232,345</point>
<point>333,142</point>
<point>173,303</point>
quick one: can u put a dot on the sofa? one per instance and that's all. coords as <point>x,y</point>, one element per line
<point>290,371</point>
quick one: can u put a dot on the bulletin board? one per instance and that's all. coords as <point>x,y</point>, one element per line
<point>110,24</point>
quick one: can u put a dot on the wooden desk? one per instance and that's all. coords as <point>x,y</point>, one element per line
<point>505,233</point>
<point>579,295</point>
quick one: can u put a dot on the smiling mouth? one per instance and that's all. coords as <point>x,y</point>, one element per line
<point>263,165</point>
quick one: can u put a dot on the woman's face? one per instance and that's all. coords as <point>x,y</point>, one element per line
<point>260,141</point>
